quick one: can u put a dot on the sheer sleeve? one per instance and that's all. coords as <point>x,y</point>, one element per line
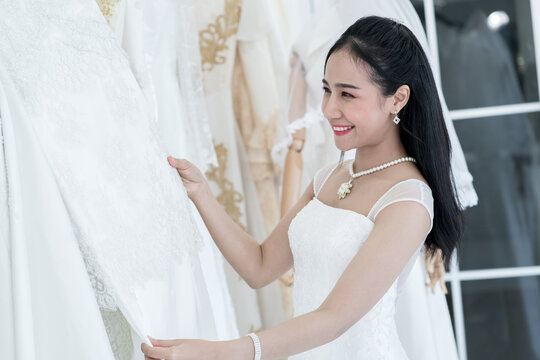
<point>408,190</point>
<point>321,176</point>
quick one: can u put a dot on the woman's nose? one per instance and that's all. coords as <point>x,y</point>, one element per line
<point>330,107</point>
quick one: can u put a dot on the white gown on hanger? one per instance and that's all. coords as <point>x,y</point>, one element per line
<point>43,280</point>
<point>322,252</point>
<point>166,61</point>
<point>92,201</point>
<point>232,182</point>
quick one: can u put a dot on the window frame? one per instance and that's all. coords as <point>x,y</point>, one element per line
<point>457,276</point>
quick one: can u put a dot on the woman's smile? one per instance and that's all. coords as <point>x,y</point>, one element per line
<point>342,130</point>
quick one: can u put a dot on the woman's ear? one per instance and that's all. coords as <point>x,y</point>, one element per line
<point>401,97</point>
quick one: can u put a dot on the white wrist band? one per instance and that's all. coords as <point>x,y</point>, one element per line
<point>257,345</point>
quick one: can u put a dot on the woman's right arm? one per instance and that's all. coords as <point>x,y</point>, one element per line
<point>257,264</point>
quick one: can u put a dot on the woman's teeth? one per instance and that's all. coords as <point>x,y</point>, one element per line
<point>341,128</point>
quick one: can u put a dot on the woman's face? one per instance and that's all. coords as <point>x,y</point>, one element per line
<point>355,107</point>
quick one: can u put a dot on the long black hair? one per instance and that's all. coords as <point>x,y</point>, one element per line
<point>395,58</point>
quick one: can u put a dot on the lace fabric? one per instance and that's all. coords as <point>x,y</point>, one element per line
<point>322,252</point>
<point>158,38</point>
<point>171,59</point>
<point>128,208</point>
<point>119,332</point>
<point>191,85</point>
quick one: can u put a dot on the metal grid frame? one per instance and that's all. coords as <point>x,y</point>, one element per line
<point>457,276</point>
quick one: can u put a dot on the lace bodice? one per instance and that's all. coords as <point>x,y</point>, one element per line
<point>321,253</point>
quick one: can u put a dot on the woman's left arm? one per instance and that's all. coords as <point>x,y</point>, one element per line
<point>399,230</point>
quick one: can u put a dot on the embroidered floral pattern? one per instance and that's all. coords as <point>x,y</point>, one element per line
<point>107,8</point>
<point>229,198</point>
<point>213,40</point>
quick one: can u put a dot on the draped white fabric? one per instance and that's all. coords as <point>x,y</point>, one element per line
<point>172,56</point>
<point>166,59</point>
<point>46,291</point>
<point>92,202</point>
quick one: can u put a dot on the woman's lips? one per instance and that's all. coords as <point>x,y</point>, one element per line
<point>342,130</point>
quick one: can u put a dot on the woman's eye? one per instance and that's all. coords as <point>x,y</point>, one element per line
<point>325,89</point>
<point>346,94</point>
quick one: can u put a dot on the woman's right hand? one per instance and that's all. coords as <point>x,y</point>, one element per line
<point>191,176</point>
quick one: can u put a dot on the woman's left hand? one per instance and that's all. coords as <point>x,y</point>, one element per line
<point>181,350</point>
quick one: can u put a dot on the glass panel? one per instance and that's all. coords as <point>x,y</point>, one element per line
<point>503,155</point>
<point>486,50</point>
<point>502,318</point>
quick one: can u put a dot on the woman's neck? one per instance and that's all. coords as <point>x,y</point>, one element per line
<point>372,156</point>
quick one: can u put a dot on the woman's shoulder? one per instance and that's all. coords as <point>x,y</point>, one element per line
<point>407,185</point>
<point>406,191</point>
<point>408,176</point>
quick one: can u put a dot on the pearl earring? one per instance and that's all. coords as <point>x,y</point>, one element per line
<point>396,118</point>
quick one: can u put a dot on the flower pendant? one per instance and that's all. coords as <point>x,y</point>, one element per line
<point>344,190</point>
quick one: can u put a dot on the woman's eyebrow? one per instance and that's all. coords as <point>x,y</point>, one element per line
<point>342,85</point>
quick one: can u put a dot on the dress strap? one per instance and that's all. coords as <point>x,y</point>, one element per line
<point>322,176</point>
<point>407,190</point>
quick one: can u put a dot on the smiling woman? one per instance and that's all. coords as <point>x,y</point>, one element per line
<point>396,79</point>
<point>358,104</point>
<point>351,255</point>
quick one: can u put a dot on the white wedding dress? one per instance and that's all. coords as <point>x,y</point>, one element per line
<point>91,215</point>
<point>166,61</point>
<point>321,253</point>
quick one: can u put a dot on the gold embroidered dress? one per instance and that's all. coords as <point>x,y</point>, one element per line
<point>231,181</point>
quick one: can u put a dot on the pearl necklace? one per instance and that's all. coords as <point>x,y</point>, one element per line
<point>345,188</point>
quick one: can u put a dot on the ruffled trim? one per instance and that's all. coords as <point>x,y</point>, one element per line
<point>310,118</point>
<point>465,192</point>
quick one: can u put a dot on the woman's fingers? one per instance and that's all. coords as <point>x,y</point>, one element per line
<point>165,343</point>
<point>180,164</point>
<point>155,352</point>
